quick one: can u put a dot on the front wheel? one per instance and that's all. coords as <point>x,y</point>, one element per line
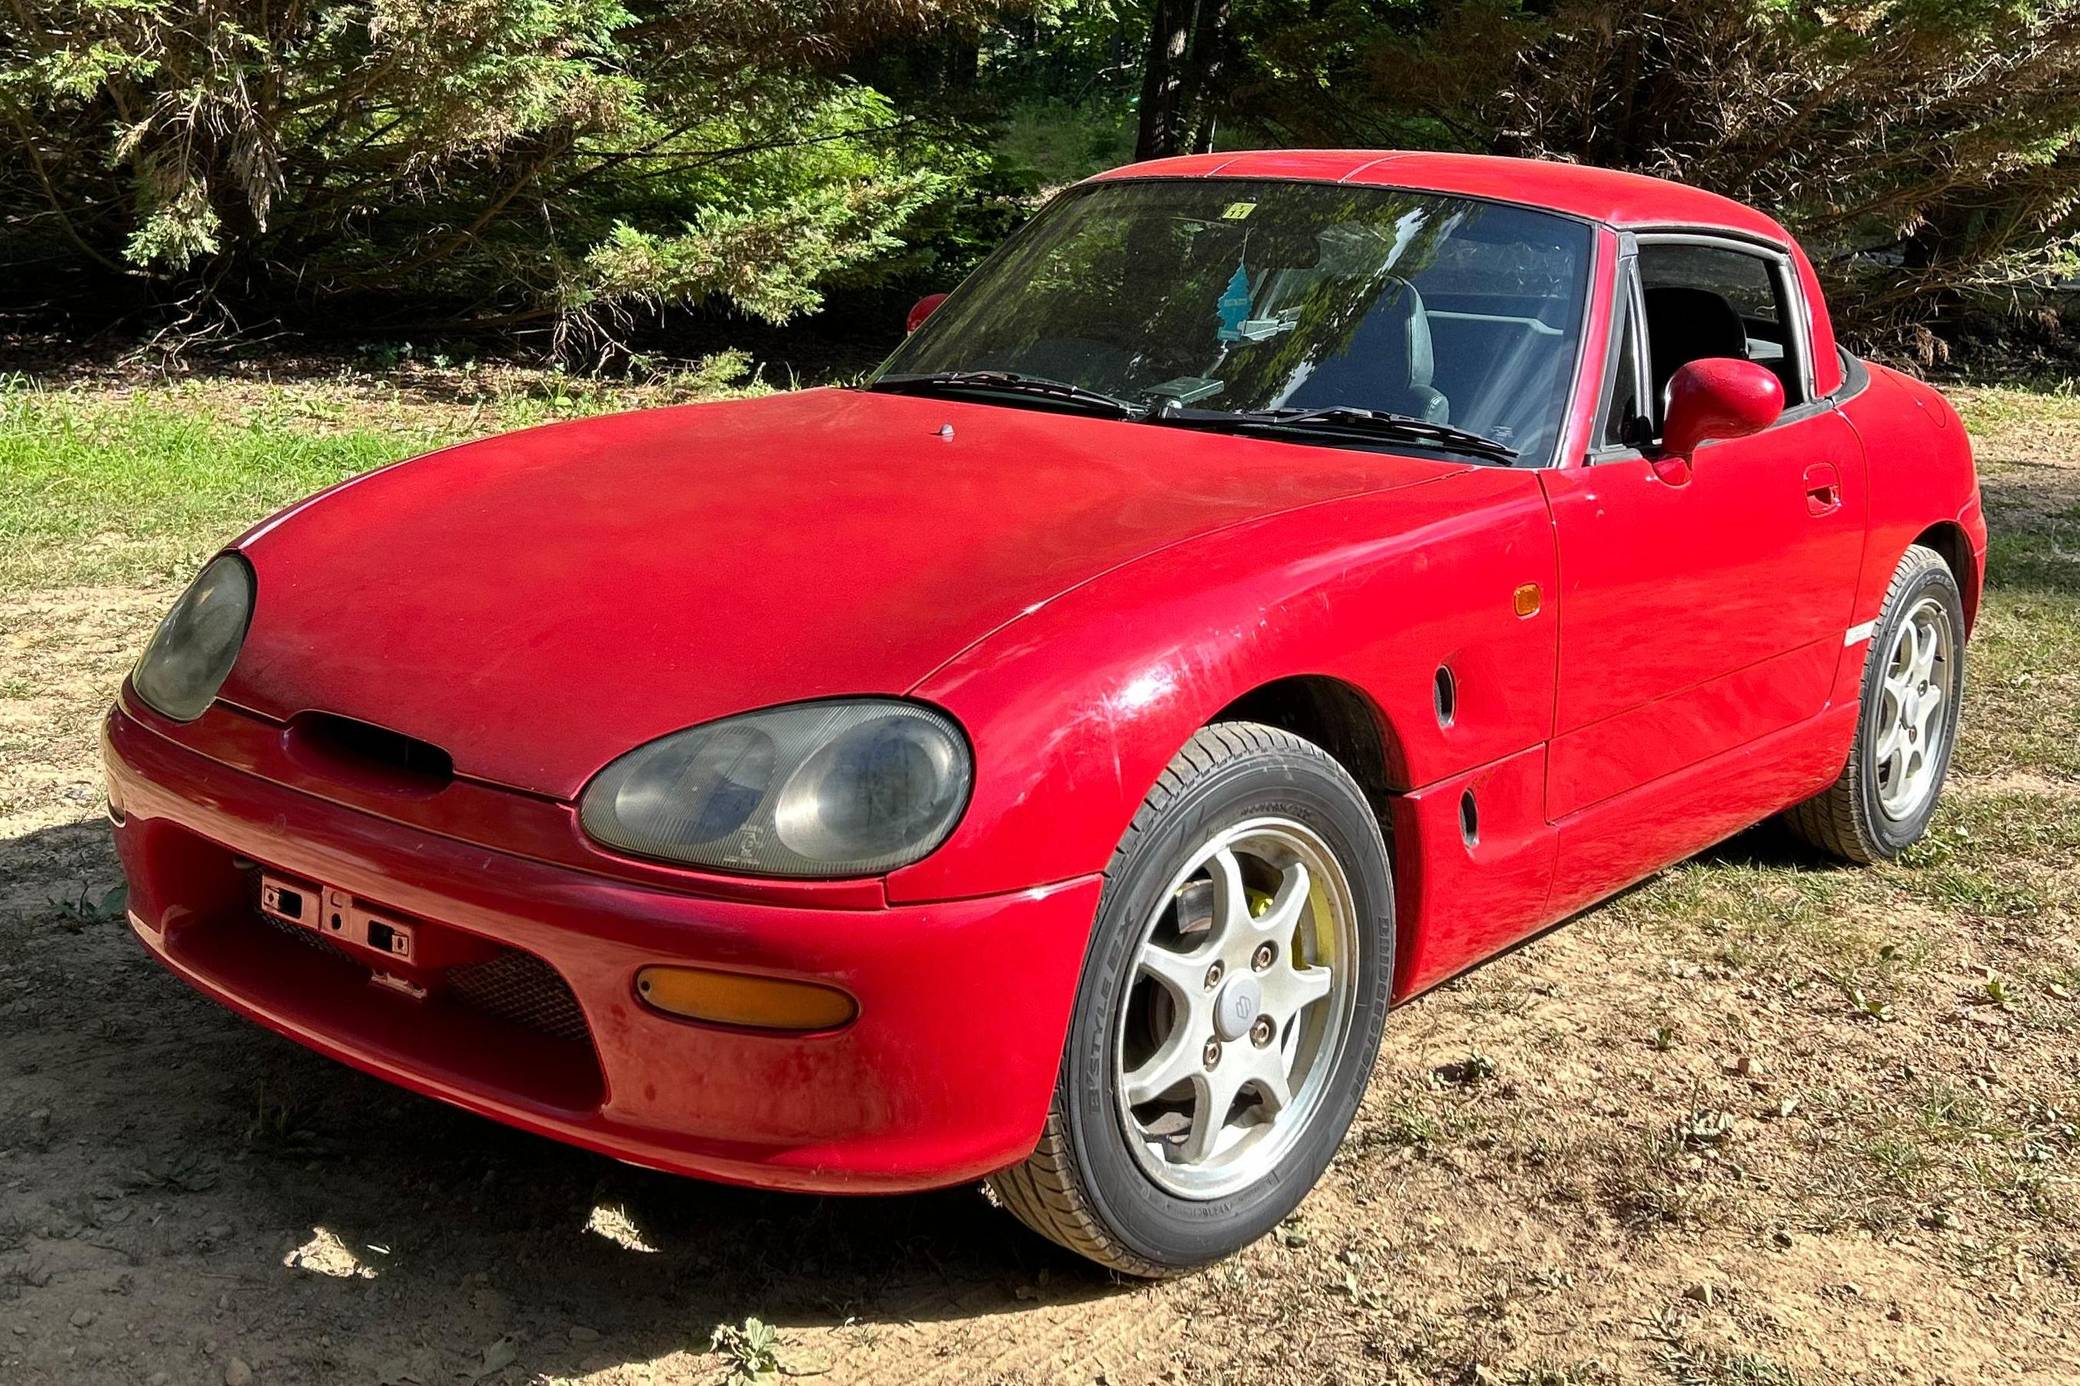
<point>1913,686</point>
<point>1228,1014</point>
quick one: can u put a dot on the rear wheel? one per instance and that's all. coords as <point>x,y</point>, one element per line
<point>1229,1011</point>
<point>1913,684</point>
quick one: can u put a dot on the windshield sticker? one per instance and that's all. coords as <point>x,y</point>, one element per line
<point>1238,211</point>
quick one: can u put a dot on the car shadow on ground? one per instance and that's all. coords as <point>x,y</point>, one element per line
<point>1772,845</point>
<point>327,1221</point>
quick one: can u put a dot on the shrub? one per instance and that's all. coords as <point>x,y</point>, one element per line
<point>513,162</point>
<point>1928,151</point>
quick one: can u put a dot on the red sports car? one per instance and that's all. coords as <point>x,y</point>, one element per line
<point>1272,584</point>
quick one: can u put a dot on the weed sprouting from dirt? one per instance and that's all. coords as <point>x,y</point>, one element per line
<point>91,906</point>
<point>751,1350</point>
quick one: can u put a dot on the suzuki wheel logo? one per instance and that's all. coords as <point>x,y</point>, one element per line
<point>1237,1007</point>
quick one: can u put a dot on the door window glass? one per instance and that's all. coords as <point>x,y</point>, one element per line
<point>1709,301</point>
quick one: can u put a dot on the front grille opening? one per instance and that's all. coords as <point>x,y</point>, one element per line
<point>311,938</point>
<point>346,744</point>
<point>515,987</point>
<point>453,1006</point>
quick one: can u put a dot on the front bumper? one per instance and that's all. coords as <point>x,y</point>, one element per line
<point>945,1075</point>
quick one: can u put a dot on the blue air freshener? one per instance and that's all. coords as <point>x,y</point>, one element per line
<point>1234,306</point>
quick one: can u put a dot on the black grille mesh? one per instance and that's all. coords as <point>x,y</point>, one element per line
<point>523,989</point>
<point>516,987</point>
<point>311,938</point>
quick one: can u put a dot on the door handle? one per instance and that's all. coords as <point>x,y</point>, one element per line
<point>1823,489</point>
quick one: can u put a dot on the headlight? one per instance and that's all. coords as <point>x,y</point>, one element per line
<point>815,789</point>
<point>192,652</point>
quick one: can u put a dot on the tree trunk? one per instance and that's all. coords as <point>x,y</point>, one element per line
<point>1164,79</point>
<point>1209,59</point>
<point>1186,64</point>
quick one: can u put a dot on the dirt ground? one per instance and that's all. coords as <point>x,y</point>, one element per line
<point>1761,1120</point>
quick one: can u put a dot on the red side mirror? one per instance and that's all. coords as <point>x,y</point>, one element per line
<point>1719,397</point>
<point>922,309</point>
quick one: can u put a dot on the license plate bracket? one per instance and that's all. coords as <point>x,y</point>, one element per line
<point>335,914</point>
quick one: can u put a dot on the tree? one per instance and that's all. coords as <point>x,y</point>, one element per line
<point>1928,151</point>
<point>508,162</point>
<point>1182,76</point>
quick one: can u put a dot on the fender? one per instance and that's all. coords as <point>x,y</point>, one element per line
<point>1377,591</point>
<point>1923,486</point>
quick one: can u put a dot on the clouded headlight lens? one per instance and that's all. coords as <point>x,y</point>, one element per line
<point>192,652</point>
<point>816,789</point>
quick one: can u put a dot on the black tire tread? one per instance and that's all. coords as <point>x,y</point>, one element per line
<point>1836,820</point>
<point>1046,1191</point>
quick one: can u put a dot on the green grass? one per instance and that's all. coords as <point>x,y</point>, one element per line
<point>1990,409</point>
<point>1907,1037</point>
<point>95,490</point>
<point>96,487</point>
<point>2022,699</point>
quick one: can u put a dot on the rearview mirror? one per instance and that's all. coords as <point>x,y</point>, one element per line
<point>1719,397</point>
<point>922,309</point>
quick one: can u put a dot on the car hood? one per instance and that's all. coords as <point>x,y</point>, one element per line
<point>538,603</point>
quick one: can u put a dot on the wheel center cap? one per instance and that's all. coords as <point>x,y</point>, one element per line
<point>1239,1004</point>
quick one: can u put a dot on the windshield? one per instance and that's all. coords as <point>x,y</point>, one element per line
<point>1245,295</point>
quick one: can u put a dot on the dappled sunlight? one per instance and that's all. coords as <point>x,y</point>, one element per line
<point>325,1254</point>
<point>1760,1103</point>
<point>614,1224</point>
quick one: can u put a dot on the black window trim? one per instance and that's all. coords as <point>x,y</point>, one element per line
<point>1856,376</point>
<point>1628,314</point>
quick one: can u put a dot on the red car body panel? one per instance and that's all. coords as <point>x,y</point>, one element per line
<point>1644,659</point>
<point>827,541</point>
<point>1764,664</point>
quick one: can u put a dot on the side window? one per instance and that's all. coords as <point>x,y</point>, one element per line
<point>1704,300</point>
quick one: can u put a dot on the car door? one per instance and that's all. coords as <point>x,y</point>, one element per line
<point>1703,605</point>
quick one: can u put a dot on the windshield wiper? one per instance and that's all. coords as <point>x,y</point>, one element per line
<point>1008,382</point>
<point>1351,421</point>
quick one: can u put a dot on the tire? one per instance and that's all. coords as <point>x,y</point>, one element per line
<point>1151,1188</point>
<point>1877,808</point>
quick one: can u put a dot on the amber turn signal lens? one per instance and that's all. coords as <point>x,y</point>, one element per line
<point>736,998</point>
<point>1529,599</point>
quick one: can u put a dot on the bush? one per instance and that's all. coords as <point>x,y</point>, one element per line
<point>514,163</point>
<point>567,167</point>
<point>1928,151</point>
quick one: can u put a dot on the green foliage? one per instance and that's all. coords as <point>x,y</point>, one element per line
<point>511,162</point>
<point>570,167</point>
<point>1928,151</point>
<point>90,906</point>
<point>751,1349</point>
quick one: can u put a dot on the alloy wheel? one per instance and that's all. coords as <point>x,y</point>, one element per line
<point>1913,720</point>
<point>1236,1009</point>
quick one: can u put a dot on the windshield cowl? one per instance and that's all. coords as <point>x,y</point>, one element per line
<point>1360,425</point>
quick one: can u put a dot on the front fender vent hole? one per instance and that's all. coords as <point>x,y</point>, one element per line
<point>1469,819</point>
<point>1445,691</point>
